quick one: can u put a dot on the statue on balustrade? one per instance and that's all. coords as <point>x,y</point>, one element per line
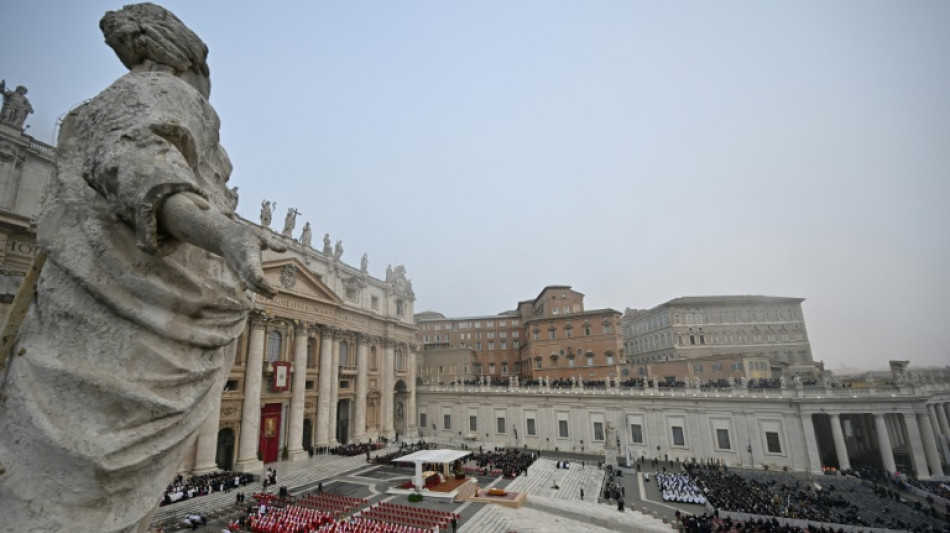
<point>266,212</point>
<point>16,106</point>
<point>289,222</point>
<point>147,284</point>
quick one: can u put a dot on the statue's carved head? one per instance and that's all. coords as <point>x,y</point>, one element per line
<point>150,35</point>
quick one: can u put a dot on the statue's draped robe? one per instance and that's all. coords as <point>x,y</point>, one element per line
<point>131,336</point>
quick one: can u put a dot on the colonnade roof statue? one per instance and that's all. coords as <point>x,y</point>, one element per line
<point>148,282</point>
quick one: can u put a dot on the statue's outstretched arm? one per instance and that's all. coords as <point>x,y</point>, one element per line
<point>189,218</point>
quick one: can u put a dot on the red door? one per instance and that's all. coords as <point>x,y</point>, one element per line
<point>270,432</point>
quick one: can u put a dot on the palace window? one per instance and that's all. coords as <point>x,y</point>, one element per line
<point>562,429</point>
<point>636,433</point>
<point>598,431</point>
<point>722,438</point>
<point>274,340</point>
<point>772,442</point>
<point>678,436</point>
<point>530,427</point>
<point>446,421</point>
<point>473,423</point>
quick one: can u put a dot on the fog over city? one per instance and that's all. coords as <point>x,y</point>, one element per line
<point>636,151</point>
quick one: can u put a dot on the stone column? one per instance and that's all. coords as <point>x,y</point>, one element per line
<point>326,375</point>
<point>884,443</point>
<point>934,424</point>
<point>334,389</point>
<point>811,444</point>
<point>386,392</point>
<point>295,441</point>
<point>930,445</point>
<point>362,382</point>
<point>841,450</point>
<point>411,420</point>
<point>207,446</point>
<point>916,446</point>
<point>942,419</point>
<point>247,460</point>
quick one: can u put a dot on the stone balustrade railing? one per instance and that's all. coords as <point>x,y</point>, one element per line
<point>908,390</point>
<point>42,148</point>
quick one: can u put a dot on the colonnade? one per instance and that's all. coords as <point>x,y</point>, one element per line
<point>925,429</point>
<point>327,374</point>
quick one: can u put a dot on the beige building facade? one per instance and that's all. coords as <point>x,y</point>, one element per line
<point>329,360</point>
<point>900,427</point>
<point>26,166</point>
<point>700,326</point>
<point>551,336</point>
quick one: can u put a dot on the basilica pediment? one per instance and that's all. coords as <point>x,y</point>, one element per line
<point>293,279</point>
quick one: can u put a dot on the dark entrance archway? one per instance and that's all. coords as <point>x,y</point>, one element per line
<point>224,457</point>
<point>307,434</point>
<point>400,408</point>
<point>343,421</point>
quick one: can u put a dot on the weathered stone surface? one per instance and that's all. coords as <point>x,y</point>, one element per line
<point>149,280</point>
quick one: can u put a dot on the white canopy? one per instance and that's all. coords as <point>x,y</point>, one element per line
<point>432,456</point>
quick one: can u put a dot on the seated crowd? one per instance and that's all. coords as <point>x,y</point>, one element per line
<point>838,500</point>
<point>404,449</point>
<point>679,487</point>
<point>509,462</point>
<point>350,450</point>
<point>223,481</point>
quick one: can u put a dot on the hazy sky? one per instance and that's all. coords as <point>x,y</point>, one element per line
<point>637,151</point>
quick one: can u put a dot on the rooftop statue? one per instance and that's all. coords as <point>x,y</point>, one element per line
<point>289,222</point>
<point>148,282</point>
<point>16,106</point>
<point>266,212</point>
<point>307,235</point>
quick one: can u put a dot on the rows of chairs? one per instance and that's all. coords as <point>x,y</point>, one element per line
<point>335,504</point>
<point>290,519</point>
<point>411,516</point>
<point>365,525</point>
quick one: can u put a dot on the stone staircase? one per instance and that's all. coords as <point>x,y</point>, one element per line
<point>490,519</point>
<point>466,491</point>
<point>544,473</point>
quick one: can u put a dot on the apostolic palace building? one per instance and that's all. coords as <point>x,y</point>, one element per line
<point>340,356</point>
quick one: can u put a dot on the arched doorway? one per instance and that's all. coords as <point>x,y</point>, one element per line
<point>400,408</point>
<point>224,457</point>
<point>343,421</point>
<point>307,434</point>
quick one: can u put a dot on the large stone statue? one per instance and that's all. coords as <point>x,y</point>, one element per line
<point>364,263</point>
<point>16,106</point>
<point>338,250</point>
<point>289,222</point>
<point>307,235</point>
<point>148,282</point>
<point>327,249</point>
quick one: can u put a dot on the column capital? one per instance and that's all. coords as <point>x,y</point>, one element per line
<point>363,338</point>
<point>388,342</point>
<point>257,320</point>
<point>301,328</point>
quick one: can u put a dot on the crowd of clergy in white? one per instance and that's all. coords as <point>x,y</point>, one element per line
<point>679,488</point>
